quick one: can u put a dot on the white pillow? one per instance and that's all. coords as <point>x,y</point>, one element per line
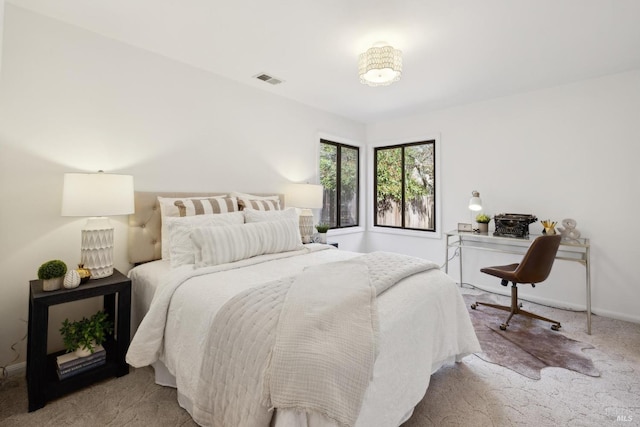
<point>181,248</point>
<point>169,209</point>
<point>252,215</point>
<point>221,245</point>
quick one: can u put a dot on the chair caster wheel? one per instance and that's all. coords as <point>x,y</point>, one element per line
<point>555,327</point>
<point>503,326</point>
<point>474,306</point>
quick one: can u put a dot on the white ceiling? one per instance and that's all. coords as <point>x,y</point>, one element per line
<point>455,51</point>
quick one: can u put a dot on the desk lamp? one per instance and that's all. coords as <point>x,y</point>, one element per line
<point>97,195</point>
<point>475,203</point>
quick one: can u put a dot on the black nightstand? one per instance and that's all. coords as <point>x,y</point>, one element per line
<point>42,382</point>
<point>335,244</point>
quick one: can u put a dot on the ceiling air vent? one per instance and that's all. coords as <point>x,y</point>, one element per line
<point>267,78</point>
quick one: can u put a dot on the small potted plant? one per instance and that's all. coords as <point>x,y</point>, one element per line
<point>483,222</point>
<point>322,232</point>
<point>52,273</point>
<point>84,335</point>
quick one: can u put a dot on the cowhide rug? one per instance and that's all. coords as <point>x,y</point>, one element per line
<point>527,346</point>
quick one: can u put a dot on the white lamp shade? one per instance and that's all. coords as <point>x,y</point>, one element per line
<point>97,194</point>
<point>475,203</point>
<point>306,196</point>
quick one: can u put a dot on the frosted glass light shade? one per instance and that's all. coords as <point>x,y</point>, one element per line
<point>380,65</point>
<point>96,196</point>
<point>475,203</point>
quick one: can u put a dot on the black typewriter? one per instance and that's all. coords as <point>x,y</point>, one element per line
<point>513,225</point>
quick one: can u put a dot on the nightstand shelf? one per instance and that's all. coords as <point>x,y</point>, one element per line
<point>42,381</point>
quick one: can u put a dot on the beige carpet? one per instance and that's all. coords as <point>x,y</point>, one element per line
<point>470,393</point>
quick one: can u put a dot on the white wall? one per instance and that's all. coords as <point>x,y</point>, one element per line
<point>71,100</point>
<point>564,152</point>
<point>1,29</point>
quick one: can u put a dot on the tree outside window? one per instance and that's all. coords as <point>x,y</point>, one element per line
<point>339,172</point>
<point>404,179</point>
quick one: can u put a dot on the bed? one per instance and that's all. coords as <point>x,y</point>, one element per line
<point>418,324</point>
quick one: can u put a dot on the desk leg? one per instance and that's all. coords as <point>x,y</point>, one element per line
<point>37,354</point>
<point>588,269</point>
<point>460,259</point>
<point>446,255</point>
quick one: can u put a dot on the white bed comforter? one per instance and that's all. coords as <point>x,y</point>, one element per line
<point>428,302</point>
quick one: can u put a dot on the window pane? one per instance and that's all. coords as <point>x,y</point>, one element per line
<point>339,175</point>
<point>419,183</point>
<point>389,187</point>
<point>348,186</point>
<point>328,179</point>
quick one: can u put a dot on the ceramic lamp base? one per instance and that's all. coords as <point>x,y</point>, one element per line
<point>306,225</point>
<point>97,247</point>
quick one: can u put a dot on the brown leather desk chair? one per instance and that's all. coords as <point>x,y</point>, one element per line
<point>534,268</point>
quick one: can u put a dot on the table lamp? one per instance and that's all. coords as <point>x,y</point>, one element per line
<point>97,195</point>
<point>305,197</point>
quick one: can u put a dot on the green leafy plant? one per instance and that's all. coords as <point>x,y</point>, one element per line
<point>86,333</point>
<point>52,269</point>
<point>483,218</point>
<point>323,228</point>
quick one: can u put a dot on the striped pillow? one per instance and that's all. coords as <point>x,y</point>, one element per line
<point>169,209</point>
<point>181,248</point>
<point>221,245</point>
<point>259,205</point>
<point>252,215</point>
<point>213,205</point>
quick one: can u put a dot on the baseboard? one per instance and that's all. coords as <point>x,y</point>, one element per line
<point>617,316</point>
<point>565,305</point>
<point>562,305</point>
<point>17,369</point>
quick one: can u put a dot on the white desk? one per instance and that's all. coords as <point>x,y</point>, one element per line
<point>575,250</point>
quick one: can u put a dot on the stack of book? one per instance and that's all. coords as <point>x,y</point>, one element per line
<point>70,364</point>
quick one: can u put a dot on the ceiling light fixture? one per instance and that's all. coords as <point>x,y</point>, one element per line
<point>380,65</point>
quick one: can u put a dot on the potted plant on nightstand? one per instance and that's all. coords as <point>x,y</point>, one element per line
<point>483,222</point>
<point>322,232</point>
<point>52,273</point>
<point>84,335</point>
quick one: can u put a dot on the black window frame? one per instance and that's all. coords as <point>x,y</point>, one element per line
<point>402,146</point>
<point>339,146</point>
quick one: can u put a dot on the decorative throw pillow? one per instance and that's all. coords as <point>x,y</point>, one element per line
<point>213,205</point>
<point>262,203</point>
<point>169,209</point>
<point>221,245</point>
<point>252,215</point>
<point>181,248</point>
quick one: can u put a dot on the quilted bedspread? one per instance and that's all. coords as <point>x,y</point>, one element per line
<point>268,345</point>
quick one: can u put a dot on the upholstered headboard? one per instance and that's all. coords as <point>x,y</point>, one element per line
<point>145,240</point>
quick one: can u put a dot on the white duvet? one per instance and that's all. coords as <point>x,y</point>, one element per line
<point>423,323</point>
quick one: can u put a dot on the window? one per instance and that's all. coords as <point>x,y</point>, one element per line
<point>339,175</point>
<point>404,186</point>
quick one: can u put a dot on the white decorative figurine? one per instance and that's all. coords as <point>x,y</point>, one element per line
<point>71,279</point>
<point>569,231</point>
